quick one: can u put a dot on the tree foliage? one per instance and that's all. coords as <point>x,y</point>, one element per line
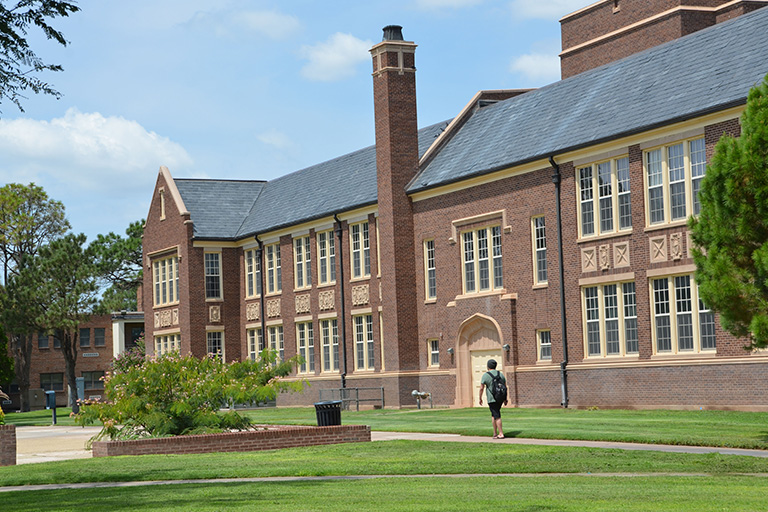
<point>179,395</point>
<point>19,65</point>
<point>118,265</point>
<point>731,234</point>
<point>6,361</point>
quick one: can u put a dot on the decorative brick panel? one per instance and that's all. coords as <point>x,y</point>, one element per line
<point>273,308</point>
<point>327,300</point>
<point>360,295</point>
<point>302,304</point>
<point>252,311</point>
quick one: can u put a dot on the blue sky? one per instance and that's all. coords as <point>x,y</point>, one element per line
<point>246,89</point>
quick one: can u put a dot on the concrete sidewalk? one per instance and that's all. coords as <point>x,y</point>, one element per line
<point>44,444</point>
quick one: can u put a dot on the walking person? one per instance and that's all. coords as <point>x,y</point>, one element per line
<point>495,386</point>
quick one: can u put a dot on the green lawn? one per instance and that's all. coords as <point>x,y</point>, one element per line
<point>39,418</point>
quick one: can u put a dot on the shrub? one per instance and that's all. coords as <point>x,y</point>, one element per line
<point>179,395</point>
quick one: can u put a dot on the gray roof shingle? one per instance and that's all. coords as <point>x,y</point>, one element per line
<point>218,207</point>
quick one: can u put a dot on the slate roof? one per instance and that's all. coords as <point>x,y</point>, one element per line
<point>707,71</point>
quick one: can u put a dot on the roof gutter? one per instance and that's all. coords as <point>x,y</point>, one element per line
<point>556,179</point>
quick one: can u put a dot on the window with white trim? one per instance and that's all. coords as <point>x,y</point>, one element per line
<point>215,343</point>
<point>681,321</point>
<point>165,276</point>
<point>361,250</point>
<point>252,273</point>
<point>326,257</point>
<point>610,319</point>
<point>274,269</point>
<point>673,177</point>
<point>305,339</point>
<point>539,250</point>
<point>167,343</point>
<point>99,337</point>
<point>481,260</point>
<point>604,197</point>
<point>329,336</point>
<point>433,346</point>
<point>302,262</point>
<point>255,343</point>
<point>364,357</point>
<point>544,343</point>
<point>276,341</point>
<point>430,270</point>
<point>212,275</point>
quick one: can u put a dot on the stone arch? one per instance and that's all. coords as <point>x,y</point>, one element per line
<point>478,333</point>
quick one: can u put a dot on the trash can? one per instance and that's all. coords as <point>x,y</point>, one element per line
<point>328,413</point>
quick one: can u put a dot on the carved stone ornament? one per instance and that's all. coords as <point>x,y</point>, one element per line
<point>273,308</point>
<point>214,314</point>
<point>252,311</point>
<point>302,304</point>
<point>163,319</point>
<point>327,300</point>
<point>621,255</point>
<point>175,316</point>
<point>360,295</point>
<point>676,246</point>
<point>658,249</point>
<point>604,256</point>
<point>588,260</point>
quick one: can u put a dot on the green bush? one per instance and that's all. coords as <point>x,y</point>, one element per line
<point>175,395</point>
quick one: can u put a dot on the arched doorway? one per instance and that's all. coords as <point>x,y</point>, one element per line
<point>479,339</point>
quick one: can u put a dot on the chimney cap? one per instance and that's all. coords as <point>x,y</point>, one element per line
<point>393,33</point>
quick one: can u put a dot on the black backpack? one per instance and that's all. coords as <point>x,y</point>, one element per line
<point>498,387</point>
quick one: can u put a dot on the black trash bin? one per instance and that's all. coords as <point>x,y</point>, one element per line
<point>328,413</point>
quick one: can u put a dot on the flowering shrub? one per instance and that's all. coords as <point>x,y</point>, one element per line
<point>180,395</point>
<point>130,358</point>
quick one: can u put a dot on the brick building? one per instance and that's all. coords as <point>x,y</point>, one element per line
<point>407,264</point>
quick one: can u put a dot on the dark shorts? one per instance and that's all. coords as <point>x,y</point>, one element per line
<point>495,408</point>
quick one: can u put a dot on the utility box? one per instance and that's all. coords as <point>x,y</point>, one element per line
<point>50,399</point>
<point>36,399</point>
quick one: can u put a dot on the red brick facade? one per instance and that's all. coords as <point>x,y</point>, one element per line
<point>7,445</point>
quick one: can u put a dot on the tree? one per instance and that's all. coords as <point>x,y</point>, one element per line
<point>19,65</point>
<point>6,361</point>
<point>731,234</point>
<point>118,264</point>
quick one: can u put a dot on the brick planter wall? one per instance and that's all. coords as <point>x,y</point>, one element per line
<point>270,439</point>
<point>8,445</point>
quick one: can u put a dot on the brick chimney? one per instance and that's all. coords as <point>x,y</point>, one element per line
<point>609,30</point>
<point>397,160</point>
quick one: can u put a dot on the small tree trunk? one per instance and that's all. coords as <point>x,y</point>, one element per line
<point>69,349</point>
<point>21,348</point>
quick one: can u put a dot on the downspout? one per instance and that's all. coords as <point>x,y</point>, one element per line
<point>556,179</point>
<point>259,253</point>
<point>340,252</point>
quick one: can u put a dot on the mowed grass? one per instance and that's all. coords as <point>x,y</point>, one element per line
<point>577,494</point>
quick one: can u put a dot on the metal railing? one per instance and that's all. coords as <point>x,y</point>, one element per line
<point>350,395</point>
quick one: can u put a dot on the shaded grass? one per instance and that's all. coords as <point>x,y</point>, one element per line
<point>730,429</point>
<point>379,458</point>
<point>40,418</point>
<point>419,494</point>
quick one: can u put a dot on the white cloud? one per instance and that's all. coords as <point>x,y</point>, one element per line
<point>545,10</point>
<point>540,68</point>
<point>334,59</point>
<point>275,139</point>
<point>446,4</point>
<point>269,23</point>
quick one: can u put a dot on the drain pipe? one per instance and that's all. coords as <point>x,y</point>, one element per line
<point>259,253</point>
<point>556,179</point>
<point>340,276</point>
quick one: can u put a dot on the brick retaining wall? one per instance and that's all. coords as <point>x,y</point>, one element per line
<point>271,438</point>
<point>8,445</point>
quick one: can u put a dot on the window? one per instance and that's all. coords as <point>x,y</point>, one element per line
<point>306,342</point>
<point>681,321</point>
<point>434,352</point>
<point>326,257</point>
<point>361,250</point>
<point>252,273</point>
<point>167,343</point>
<point>363,342</point>
<point>215,343</point>
<point>329,335</point>
<point>42,340</point>
<point>56,341</point>
<point>482,260</point>
<point>99,337</point>
<point>430,284</point>
<point>276,341</point>
<point>93,380</point>
<point>85,338</point>
<point>166,280</point>
<point>610,316</point>
<point>274,270</point>
<point>302,259</point>
<point>255,343</point>
<point>52,381</point>
<point>539,250</point>
<point>673,179</point>
<point>544,341</point>
<point>212,275</point>
<point>604,197</point>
